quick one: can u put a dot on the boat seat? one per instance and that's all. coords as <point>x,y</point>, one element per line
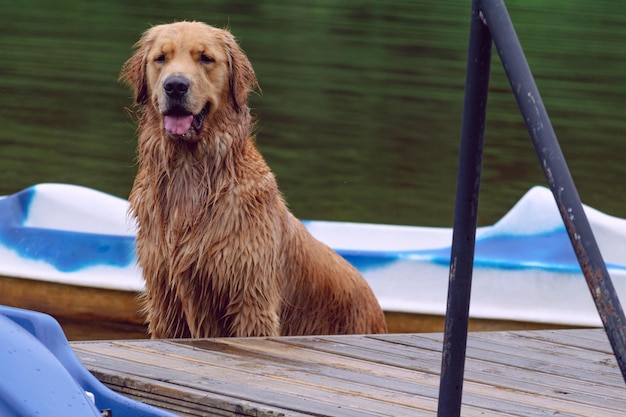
<point>43,376</point>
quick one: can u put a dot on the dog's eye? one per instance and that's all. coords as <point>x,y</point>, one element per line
<point>160,59</point>
<point>205,59</point>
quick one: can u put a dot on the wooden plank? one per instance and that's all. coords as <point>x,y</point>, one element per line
<point>478,385</point>
<point>544,363</point>
<point>569,349</point>
<point>305,367</point>
<point>523,373</point>
<point>256,380</point>
<point>398,367</point>
<point>494,363</point>
<point>183,394</point>
<point>187,401</point>
<point>595,340</point>
<point>364,389</point>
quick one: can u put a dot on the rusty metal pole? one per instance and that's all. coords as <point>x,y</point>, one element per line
<point>559,178</point>
<point>465,217</point>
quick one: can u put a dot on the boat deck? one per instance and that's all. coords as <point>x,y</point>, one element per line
<point>520,373</point>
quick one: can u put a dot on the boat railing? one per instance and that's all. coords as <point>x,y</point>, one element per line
<point>491,24</point>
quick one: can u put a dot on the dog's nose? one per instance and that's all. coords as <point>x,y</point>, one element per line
<point>176,86</point>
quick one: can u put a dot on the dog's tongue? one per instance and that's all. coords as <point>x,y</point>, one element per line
<point>177,125</point>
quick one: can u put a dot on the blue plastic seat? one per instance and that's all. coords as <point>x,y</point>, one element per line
<point>42,376</point>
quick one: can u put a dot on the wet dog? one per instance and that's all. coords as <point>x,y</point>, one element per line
<point>220,252</point>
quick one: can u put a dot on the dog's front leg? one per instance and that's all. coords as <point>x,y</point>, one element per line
<point>255,312</point>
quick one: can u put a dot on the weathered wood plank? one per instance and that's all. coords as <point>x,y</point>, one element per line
<point>495,362</point>
<point>524,373</point>
<point>187,401</point>
<point>184,394</point>
<point>405,373</point>
<point>256,379</point>
<point>479,383</point>
<point>583,339</point>
<point>539,362</point>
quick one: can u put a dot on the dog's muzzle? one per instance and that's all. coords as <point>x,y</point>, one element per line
<point>178,121</point>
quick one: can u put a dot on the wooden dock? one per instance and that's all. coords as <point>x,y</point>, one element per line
<point>521,373</point>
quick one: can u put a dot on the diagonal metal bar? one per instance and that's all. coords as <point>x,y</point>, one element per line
<point>465,216</point>
<point>557,173</point>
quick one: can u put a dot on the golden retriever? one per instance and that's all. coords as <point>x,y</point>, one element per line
<point>220,252</point>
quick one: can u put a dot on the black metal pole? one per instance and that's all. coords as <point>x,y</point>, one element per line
<point>558,175</point>
<point>466,210</point>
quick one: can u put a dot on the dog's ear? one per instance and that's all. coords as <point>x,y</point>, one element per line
<point>242,78</point>
<point>133,71</point>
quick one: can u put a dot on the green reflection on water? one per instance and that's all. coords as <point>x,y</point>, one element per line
<point>361,106</point>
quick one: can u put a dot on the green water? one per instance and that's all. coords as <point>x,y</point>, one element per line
<point>361,107</point>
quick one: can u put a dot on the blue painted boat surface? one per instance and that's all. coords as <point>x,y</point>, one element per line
<point>41,376</point>
<point>525,267</point>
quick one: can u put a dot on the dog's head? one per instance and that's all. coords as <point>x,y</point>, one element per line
<point>188,72</point>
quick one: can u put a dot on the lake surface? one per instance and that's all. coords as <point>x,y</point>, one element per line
<point>361,104</point>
